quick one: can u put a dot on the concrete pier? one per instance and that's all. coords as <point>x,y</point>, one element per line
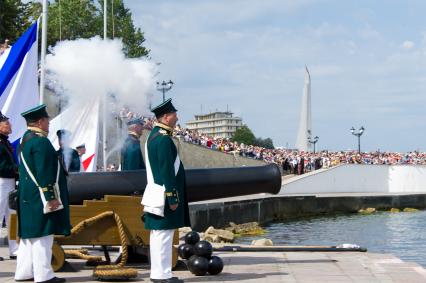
<point>304,267</point>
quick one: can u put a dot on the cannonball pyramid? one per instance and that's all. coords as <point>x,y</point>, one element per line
<point>199,256</point>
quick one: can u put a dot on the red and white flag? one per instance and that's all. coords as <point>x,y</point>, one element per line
<point>83,123</point>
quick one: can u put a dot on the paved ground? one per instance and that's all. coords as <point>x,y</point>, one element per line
<point>275,267</point>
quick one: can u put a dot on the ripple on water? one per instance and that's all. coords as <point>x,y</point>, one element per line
<point>402,234</point>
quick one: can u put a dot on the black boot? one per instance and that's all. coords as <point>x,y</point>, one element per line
<point>54,280</point>
<point>169,280</point>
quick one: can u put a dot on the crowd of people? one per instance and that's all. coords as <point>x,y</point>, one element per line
<point>298,162</point>
<point>292,161</point>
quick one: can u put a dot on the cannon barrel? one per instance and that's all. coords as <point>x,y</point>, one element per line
<point>202,184</point>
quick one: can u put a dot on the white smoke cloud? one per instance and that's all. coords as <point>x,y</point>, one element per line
<point>93,68</point>
<point>84,72</point>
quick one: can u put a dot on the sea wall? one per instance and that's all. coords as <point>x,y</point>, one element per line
<point>342,189</point>
<point>263,210</point>
<point>361,179</point>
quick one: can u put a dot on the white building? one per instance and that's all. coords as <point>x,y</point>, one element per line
<point>216,124</point>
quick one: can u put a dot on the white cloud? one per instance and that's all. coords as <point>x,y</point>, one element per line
<point>369,33</point>
<point>407,44</point>
<point>327,29</point>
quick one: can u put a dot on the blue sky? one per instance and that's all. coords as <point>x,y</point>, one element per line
<point>367,62</point>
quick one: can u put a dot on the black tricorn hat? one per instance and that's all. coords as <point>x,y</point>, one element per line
<point>3,118</point>
<point>36,113</point>
<point>83,145</point>
<point>135,121</point>
<point>164,108</point>
<point>63,133</point>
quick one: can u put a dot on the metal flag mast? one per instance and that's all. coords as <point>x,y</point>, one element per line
<point>43,50</point>
<point>104,126</point>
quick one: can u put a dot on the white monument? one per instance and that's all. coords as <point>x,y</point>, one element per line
<point>305,124</point>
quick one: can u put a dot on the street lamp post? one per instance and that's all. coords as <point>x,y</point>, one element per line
<point>358,134</point>
<point>164,87</point>
<point>313,141</point>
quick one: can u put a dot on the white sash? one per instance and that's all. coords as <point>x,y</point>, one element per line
<point>56,191</point>
<point>154,197</point>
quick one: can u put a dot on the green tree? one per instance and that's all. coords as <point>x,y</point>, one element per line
<point>244,135</point>
<point>73,19</point>
<point>121,25</point>
<point>266,143</point>
<point>12,20</point>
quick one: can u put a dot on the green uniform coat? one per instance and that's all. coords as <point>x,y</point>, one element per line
<point>8,167</point>
<point>162,154</point>
<point>131,154</point>
<point>74,163</point>
<point>42,160</point>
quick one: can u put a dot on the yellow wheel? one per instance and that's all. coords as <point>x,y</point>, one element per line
<point>58,257</point>
<point>174,250</point>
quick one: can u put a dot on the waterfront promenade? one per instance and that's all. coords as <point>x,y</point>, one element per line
<point>259,267</point>
<point>283,266</point>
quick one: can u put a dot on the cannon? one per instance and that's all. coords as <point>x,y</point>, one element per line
<point>202,184</point>
<point>105,206</point>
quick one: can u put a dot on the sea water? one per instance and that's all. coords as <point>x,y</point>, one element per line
<point>402,234</point>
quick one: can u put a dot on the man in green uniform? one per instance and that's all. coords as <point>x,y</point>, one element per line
<point>69,157</point>
<point>131,154</point>
<point>43,209</point>
<point>8,176</point>
<point>165,169</point>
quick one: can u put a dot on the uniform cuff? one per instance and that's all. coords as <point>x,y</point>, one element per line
<point>172,197</point>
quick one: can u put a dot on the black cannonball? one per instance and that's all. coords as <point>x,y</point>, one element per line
<point>185,251</point>
<point>198,265</point>
<point>191,238</point>
<point>215,265</point>
<point>204,249</point>
<point>180,250</point>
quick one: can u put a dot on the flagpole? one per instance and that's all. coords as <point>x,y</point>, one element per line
<point>104,144</point>
<point>105,19</point>
<point>43,50</point>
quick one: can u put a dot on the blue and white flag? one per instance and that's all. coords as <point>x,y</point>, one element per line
<point>19,89</point>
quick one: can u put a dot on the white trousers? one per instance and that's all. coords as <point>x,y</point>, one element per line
<point>7,185</point>
<point>160,249</point>
<point>34,259</point>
